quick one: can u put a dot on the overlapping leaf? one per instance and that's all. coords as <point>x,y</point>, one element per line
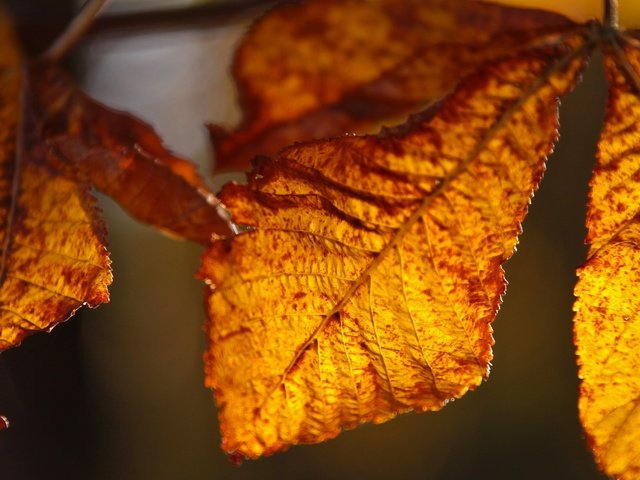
<point>323,68</point>
<point>607,320</point>
<point>374,271</point>
<point>55,144</point>
<point>123,157</point>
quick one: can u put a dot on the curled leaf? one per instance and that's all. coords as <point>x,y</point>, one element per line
<point>372,275</point>
<point>324,68</point>
<point>123,157</point>
<point>55,145</point>
<point>607,319</point>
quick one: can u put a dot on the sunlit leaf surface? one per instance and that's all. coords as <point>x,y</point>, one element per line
<point>607,319</point>
<point>374,271</point>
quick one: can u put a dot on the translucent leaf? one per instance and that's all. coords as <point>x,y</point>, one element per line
<point>55,145</point>
<point>372,275</point>
<point>607,320</point>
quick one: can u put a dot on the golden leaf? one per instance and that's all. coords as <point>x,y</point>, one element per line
<point>370,281</point>
<point>607,323</point>
<point>56,143</point>
<point>52,239</point>
<point>324,68</point>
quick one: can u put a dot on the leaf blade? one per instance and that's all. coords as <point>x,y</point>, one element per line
<point>372,61</point>
<point>125,158</point>
<point>46,273</point>
<point>606,325</point>
<point>410,272</point>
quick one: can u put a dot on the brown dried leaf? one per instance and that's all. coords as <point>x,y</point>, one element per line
<point>125,158</point>
<point>323,68</point>
<point>52,239</point>
<point>606,323</point>
<point>55,145</point>
<point>374,271</point>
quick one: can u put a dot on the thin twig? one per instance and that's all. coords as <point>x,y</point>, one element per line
<point>75,31</point>
<point>611,13</point>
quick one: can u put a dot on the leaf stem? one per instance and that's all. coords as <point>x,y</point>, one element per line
<point>74,31</point>
<point>611,13</point>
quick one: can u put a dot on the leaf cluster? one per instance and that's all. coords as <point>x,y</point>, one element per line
<point>360,275</point>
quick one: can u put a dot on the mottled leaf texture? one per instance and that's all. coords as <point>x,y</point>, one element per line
<point>326,67</point>
<point>607,319</point>
<point>370,281</point>
<point>52,238</point>
<point>55,145</point>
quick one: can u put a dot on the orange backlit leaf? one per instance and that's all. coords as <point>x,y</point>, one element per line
<point>53,249</point>
<point>607,322</point>
<point>369,283</point>
<point>323,68</point>
<point>56,144</point>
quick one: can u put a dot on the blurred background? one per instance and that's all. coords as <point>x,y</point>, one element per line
<point>117,392</point>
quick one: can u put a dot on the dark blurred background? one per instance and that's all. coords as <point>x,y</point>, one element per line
<point>117,393</point>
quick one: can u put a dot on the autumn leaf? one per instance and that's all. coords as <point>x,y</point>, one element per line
<point>303,99</point>
<point>125,158</point>
<point>55,145</point>
<point>53,259</point>
<point>372,275</point>
<point>322,68</point>
<point>606,323</point>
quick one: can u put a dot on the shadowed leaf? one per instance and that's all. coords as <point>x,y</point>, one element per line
<point>53,258</point>
<point>125,158</point>
<point>607,319</point>
<point>374,271</point>
<point>323,68</point>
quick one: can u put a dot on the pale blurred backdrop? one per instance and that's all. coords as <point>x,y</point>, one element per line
<point>117,393</point>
